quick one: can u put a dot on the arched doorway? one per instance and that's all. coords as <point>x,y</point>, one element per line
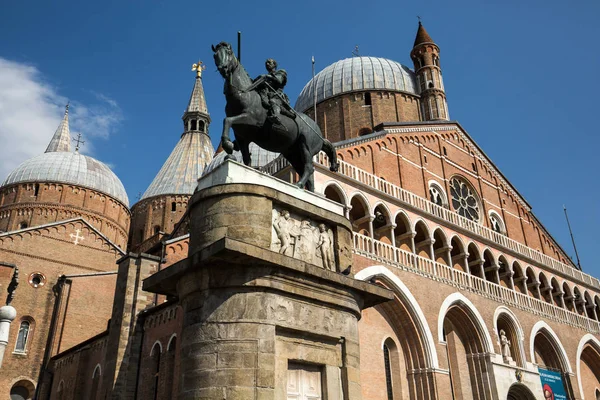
<point>467,348</point>
<point>518,391</point>
<point>397,358</point>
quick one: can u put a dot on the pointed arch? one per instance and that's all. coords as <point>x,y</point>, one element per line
<point>382,225</point>
<point>586,340</point>
<point>468,345</point>
<point>556,292</point>
<point>490,266</point>
<point>505,272</point>
<point>568,297</point>
<point>458,254</point>
<point>458,299</point>
<point>441,247</point>
<point>589,305</point>
<point>157,345</point>
<point>532,283</point>
<point>505,319</point>
<point>410,302</point>
<point>475,260</point>
<point>360,213</point>
<point>97,371</point>
<point>545,288</point>
<point>403,233</point>
<point>519,278</point>
<point>541,327</point>
<point>423,239</point>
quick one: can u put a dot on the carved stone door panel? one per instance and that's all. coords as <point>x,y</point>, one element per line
<point>304,382</point>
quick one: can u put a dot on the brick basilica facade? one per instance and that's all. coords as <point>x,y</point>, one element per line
<point>485,303</point>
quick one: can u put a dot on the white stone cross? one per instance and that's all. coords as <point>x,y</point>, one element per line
<point>76,237</point>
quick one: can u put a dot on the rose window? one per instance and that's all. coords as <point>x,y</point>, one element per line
<point>464,199</point>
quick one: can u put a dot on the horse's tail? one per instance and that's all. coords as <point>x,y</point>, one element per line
<point>331,154</point>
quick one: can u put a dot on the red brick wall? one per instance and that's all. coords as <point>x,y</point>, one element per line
<point>57,202</point>
<point>51,252</point>
<point>411,160</point>
<point>156,211</point>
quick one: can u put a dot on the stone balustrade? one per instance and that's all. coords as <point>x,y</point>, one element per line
<point>406,261</point>
<point>423,205</point>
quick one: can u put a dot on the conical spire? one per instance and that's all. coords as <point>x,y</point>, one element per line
<point>61,141</point>
<point>197,103</point>
<point>180,173</point>
<point>422,36</point>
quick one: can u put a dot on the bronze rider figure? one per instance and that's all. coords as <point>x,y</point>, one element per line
<point>270,88</point>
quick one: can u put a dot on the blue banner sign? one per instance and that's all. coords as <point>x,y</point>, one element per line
<point>552,385</point>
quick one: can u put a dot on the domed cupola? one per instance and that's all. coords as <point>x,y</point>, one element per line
<point>164,202</point>
<point>356,94</point>
<point>60,184</point>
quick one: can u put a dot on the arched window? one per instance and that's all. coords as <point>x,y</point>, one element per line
<point>23,225</point>
<point>23,337</point>
<point>96,377</point>
<point>173,206</point>
<point>391,363</point>
<point>156,229</point>
<point>464,199</point>
<point>437,194</point>
<point>155,369</point>
<point>193,125</point>
<point>170,368</point>
<point>367,99</point>
<point>388,372</point>
<point>201,126</point>
<point>496,223</point>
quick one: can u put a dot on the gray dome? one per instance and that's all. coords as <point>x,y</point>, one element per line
<point>72,168</point>
<point>260,158</point>
<point>357,73</point>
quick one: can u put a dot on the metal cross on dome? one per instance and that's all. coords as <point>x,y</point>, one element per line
<point>76,237</point>
<point>78,141</point>
<point>198,67</point>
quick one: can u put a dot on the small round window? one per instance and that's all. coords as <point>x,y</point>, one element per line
<point>37,279</point>
<point>464,199</point>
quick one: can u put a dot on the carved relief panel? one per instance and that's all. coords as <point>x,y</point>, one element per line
<point>296,236</point>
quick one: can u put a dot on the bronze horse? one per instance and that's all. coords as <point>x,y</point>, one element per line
<point>298,142</point>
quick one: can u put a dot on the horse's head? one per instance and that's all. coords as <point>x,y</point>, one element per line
<point>225,60</point>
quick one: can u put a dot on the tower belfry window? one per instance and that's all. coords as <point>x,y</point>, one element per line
<point>193,125</point>
<point>367,99</point>
<point>201,126</point>
<point>36,190</point>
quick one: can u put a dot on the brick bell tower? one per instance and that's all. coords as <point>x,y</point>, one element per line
<point>426,59</point>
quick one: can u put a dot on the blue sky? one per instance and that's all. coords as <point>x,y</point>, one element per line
<point>520,76</point>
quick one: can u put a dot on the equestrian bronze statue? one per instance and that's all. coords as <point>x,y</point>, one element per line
<point>259,112</point>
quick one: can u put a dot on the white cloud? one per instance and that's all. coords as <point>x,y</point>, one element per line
<point>31,110</point>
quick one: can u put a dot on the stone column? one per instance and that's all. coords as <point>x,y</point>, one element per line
<point>258,301</point>
<point>7,315</point>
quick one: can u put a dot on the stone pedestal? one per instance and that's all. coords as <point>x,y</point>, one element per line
<point>260,299</point>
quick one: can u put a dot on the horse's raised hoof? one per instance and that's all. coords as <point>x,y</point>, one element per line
<point>227,146</point>
<point>334,167</point>
<point>300,185</point>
